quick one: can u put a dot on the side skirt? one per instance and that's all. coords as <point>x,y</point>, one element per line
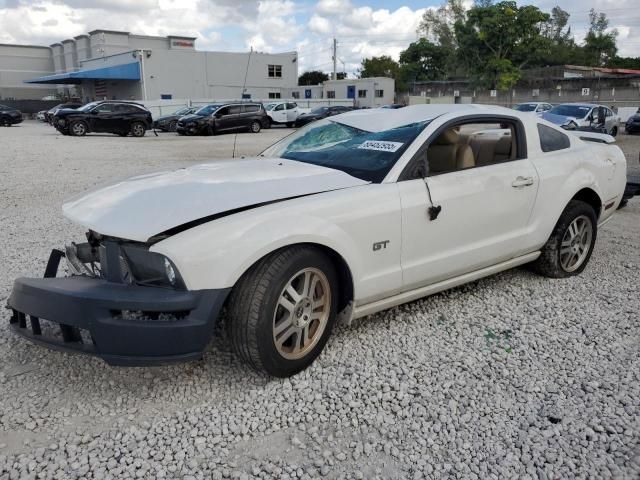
<point>404,297</point>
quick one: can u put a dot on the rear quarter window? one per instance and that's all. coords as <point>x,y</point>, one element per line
<point>551,139</point>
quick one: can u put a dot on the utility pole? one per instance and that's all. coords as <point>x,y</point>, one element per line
<point>335,59</point>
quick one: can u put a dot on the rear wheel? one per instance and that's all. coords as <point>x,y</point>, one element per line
<point>138,129</point>
<point>255,126</point>
<point>78,129</point>
<point>5,121</point>
<point>569,248</point>
<point>282,310</point>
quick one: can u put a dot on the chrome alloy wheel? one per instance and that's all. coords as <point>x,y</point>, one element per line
<point>78,129</point>
<point>302,313</point>
<point>576,243</point>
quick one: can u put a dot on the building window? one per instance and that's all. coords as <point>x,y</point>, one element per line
<point>362,94</point>
<point>331,94</point>
<point>274,94</point>
<point>379,93</point>
<point>275,71</point>
<point>295,94</point>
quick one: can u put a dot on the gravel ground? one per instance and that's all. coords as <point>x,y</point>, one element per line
<point>513,376</point>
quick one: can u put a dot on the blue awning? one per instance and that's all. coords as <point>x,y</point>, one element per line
<point>128,71</point>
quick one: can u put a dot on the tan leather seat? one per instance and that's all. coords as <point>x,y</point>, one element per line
<point>446,153</point>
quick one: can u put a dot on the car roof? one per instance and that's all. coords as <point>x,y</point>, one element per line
<point>381,119</point>
<point>590,105</point>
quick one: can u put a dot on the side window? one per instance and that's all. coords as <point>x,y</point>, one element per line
<point>609,112</point>
<point>251,108</point>
<point>104,108</point>
<point>331,94</point>
<point>279,107</point>
<point>467,145</point>
<point>234,109</point>
<point>291,106</point>
<point>222,112</point>
<point>551,139</point>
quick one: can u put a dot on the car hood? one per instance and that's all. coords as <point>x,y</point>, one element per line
<point>173,116</point>
<point>144,206</point>
<point>64,111</point>
<point>558,119</point>
<point>192,116</point>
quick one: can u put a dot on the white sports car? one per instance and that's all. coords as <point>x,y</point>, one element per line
<point>348,216</point>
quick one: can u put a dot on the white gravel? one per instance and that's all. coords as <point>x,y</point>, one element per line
<point>514,376</point>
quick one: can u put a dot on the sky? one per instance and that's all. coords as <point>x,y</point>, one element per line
<point>363,28</point>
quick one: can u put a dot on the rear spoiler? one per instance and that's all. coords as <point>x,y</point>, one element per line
<point>593,137</point>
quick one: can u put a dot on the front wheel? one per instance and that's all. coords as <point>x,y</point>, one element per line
<point>78,129</point>
<point>5,122</point>
<point>255,126</point>
<point>282,310</point>
<point>569,248</point>
<point>172,126</point>
<point>138,129</point>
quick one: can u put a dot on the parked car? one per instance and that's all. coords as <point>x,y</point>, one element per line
<point>9,116</point>
<point>42,115</point>
<point>533,107</point>
<point>574,116</point>
<point>319,113</point>
<point>108,116</point>
<point>434,201</point>
<point>633,123</point>
<point>168,123</point>
<point>283,113</point>
<point>68,105</point>
<point>224,117</point>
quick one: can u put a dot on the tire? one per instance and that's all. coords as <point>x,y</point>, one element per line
<point>290,124</point>
<point>565,255</point>
<point>260,304</point>
<point>614,131</point>
<point>172,126</point>
<point>255,126</point>
<point>138,129</point>
<point>78,129</point>
<point>5,122</point>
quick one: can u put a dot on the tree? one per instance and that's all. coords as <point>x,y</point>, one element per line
<point>438,27</point>
<point>313,77</point>
<point>383,66</point>
<point>341,75</point>
<point>496,42</point>
<point>599,45</point>
<point>423,60</point>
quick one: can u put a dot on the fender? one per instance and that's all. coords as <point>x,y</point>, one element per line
<point>216,254</point>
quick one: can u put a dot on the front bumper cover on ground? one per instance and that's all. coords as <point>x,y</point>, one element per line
<point>101,309</point>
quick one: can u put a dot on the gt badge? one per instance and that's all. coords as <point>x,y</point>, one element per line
<point>380,245</point>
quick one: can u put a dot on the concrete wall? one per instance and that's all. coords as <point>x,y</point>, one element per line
<point>19,63</point>
<point>367,85</point>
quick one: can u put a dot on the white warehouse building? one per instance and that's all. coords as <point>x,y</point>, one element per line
<point>119,65</point>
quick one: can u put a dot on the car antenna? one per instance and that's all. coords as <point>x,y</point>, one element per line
<point>244,86</point>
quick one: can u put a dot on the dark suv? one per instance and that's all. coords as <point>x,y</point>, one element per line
<point>109,116</point>
<point>224,117</point>
<point>9,116</point>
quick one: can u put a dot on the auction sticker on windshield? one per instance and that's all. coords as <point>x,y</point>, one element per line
<point>380,146</point>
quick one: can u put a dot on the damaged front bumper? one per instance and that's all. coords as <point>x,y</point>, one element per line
<point>123,323</point>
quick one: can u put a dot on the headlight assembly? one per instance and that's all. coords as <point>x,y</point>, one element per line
<point>150,268</point>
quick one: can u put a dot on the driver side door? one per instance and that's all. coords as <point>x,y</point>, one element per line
<point>102,118</point>
<point>483,210</point>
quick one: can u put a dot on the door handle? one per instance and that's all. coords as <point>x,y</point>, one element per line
<point>520,182</point>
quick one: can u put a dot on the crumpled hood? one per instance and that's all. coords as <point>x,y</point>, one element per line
<point>558,119</point>
<point>147,205</point>
<point>192,117</point>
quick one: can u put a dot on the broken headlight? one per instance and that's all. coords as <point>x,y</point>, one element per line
<point>150,268</point>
